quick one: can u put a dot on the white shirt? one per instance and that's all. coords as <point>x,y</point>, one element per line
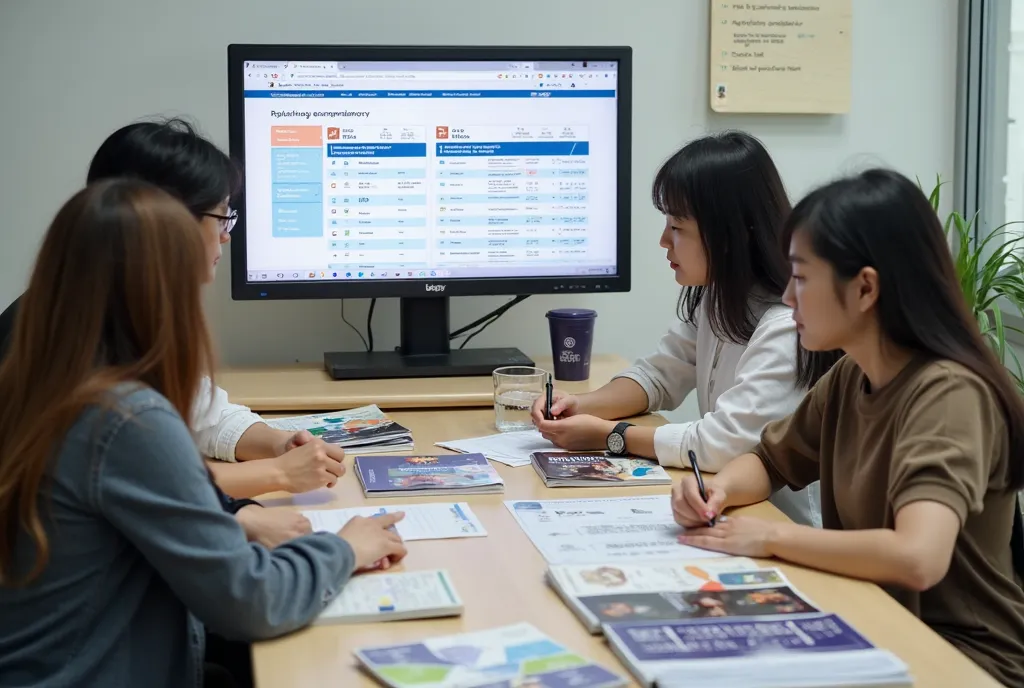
<point>217,424</point>
<point>740,389</point>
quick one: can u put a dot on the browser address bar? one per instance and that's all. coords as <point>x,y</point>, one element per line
<point>402,76</point>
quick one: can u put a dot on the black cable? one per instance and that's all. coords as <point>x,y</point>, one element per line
<point>489,318</point>
<point>369,324</point>
<point>354,328</point>
<point>482,328</point>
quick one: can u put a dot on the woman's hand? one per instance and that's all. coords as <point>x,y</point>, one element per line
<point>562,406</point>
<point>577,433</point>
<point>289,441</point>
<point>374,540</point>
<point>690,509</point>
<point>743,536</point>
<point>310,464</point>
<point>271,527</point>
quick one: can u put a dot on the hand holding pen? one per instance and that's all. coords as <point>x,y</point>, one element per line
<point>694,502</point>
<point>561,405</point>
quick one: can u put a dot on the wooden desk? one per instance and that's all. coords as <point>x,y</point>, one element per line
<point>307,388</point>
<point>500,579</point>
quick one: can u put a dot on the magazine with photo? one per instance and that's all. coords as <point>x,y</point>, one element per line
<point>596,469</point>
<point>651,592</point>
<point>393,476</point>
<point>366,427</point>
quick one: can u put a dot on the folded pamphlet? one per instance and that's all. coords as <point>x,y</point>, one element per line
<point>507,657</point>
<point>393,597</point>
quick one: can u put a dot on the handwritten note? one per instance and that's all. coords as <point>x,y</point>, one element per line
<point>781,57</point>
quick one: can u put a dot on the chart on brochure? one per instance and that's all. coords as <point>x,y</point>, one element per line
<point>586,531</point>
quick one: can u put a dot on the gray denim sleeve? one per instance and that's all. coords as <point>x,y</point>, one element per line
<point>153,487</point>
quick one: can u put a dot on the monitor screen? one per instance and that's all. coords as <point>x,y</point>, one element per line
<point>430,169</point>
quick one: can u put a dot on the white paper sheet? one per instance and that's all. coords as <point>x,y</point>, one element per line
<point>509,448</point>
<point>589,531</point>
<point>422,521</point>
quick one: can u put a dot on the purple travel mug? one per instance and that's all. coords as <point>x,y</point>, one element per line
<point>572,337</point>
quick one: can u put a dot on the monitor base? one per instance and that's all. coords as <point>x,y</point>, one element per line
<point>363,365</point>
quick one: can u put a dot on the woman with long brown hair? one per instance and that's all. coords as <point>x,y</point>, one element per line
<point>112,539</point>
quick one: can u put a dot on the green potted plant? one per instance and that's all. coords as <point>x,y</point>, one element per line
<point>991,275</point>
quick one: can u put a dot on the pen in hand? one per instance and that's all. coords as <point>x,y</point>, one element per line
<point>700,481</point>
<point>549,391</point>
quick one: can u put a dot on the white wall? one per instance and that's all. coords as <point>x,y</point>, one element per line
<point>76,70</point>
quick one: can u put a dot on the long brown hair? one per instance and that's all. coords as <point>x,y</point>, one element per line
<point>115,297</point>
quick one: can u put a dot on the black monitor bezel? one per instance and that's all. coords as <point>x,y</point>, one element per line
<point>244,290</point>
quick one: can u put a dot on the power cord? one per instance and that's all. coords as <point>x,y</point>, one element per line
<point>486,321</point>
<point>368,345</point>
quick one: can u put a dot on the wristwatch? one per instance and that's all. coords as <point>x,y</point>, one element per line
<point>616,440</point>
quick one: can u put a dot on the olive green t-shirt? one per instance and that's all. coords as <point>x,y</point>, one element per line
<point>936,432</point>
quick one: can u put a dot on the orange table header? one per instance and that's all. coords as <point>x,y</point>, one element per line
<point>296,136</point>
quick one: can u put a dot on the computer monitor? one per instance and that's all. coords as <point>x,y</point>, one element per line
<point>425,173</point>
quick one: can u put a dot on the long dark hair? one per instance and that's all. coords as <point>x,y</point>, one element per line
<point>881,219</point>
<point>115,297</point>
<point>728,184</point>
<point>172,155</point>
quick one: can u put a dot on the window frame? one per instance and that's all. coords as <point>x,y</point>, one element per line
<point>983,93</point>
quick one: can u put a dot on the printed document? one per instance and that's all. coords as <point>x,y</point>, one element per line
<point>585,531</point>
<point>422,521</point>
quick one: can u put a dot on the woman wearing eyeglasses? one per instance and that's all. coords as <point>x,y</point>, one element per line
<point>171,155</point>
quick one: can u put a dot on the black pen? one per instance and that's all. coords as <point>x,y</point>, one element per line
<point>700,482</point>
<point>550,393</point>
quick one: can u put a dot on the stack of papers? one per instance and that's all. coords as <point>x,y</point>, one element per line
<point>518,655</point>
<point>509,448</point>
<point>365,428</point>
<point>421,522</point>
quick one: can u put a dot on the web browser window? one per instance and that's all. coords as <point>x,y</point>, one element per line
<point>411,170</point>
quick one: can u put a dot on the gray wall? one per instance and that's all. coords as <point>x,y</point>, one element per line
<point>75,70</point>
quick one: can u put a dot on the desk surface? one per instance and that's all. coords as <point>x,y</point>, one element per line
<point>307,388</point>
<point>500,579</point>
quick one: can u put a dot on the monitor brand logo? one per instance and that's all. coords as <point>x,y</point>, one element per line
<point>436,287</point>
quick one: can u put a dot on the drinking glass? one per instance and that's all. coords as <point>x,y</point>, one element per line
<point>515,390</point>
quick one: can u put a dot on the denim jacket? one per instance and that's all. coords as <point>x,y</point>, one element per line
<point>142,556</point>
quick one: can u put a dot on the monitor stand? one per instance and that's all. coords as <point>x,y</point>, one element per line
<point>425,352</point>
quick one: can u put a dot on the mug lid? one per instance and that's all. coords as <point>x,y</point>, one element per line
<point>572,313</point>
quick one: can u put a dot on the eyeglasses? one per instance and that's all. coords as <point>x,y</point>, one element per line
<point>227,222</point>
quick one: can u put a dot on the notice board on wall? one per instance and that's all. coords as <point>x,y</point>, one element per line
<point>781,57</point>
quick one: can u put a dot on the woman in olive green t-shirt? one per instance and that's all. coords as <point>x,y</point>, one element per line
<point>917,435</point>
